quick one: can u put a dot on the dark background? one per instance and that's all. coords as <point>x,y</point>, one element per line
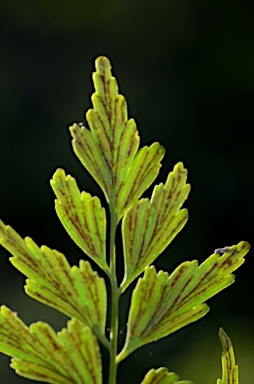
<point>186,68</point>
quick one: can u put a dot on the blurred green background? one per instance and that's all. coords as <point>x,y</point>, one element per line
<point>186,68</point>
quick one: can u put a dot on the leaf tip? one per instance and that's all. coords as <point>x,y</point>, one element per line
<point>225,340</point>
<point>103,66</point>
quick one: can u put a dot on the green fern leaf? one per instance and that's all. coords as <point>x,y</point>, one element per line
<point>162,376</point>
<point>229,369</point>
<point>149,226</point>
<point>77,292</point>
<point>70,356</point>
<point>82,216</point>
<point>109,150</point>
<point>162,304</point>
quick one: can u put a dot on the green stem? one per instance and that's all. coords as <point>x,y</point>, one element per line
<point>114,297</point>
<point>104,341</point>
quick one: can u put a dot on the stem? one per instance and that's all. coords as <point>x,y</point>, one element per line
<point>114,296</point>
<point>104,341</point>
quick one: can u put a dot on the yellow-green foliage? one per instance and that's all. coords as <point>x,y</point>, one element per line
<point>161,303</point>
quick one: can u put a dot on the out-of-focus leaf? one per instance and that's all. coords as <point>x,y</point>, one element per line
<point>162,376</point>
<point>70,356</point>
<point>109,150</point>
<point>77,292</point>
<point>82,216</point>
<point>161,304</point>
<point>229,369</point>
<point>149,226</point>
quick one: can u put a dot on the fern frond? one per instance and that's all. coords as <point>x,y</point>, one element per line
<point>109,150</point>
<point>229,368</point>
<point>69,356</point>
<point>162,304</point>
<point>77,292</point>
<point>150,225</point>
<point>162,376</point>
<point>82,216</point>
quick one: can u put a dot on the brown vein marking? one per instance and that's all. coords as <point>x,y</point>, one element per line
<point>135,241</point>
<point>228,261</point>
<point>51,277</point>
<point>62,268</point>
<point>172,201</point>
<point>82,230</point>
<point>75,339</point>
<point>27,259</point>
<point>155,229</point>
<point>130,223</point>
<point>198,283</point>
<point>156,312</point>
<point>105,136</point>
<point>187,319</point>
<point>7,337</point>
<point>103,84</point>
<point>73,301</point>
<point>128,230</point>
<point>109,101</point>
<point>181,270</point>
<point>152,320</point>
<point>229,366</point>
<point>80,306</point>
<point>72,298</point>
<point>42,353</point>
<point>158,200</point>
<point>144,290</point>
<point>134,217</point>
<point>132,138</point>
<point>177,178</point>
<point>150,175</point>
<point>75,307</point>
<point>176,299</point>
<point>176,197</point>
<point>155,318</point>
<point>101,112</point>
<point>87,151</point>
<point>105,93</point>
<point>139,171</point>
<point>209,271</point>
<point>123,108</point>
<point>202,286</point>
<point>120,157</point>
<point>143,245</point>
<point>107,96</point>
<point>143,172</point>
<point>90,367</point>
<point>44,273</point>
<point>10,339</point>
<point>38,375</point>
<point>201,289</point>
<point>96,220</point>
<point>180,175</point>
<point>94,295</point>
<point>21,329</point>
<point>55,348</point>
<point>139,183</point>
<point>88,243</point>
<point>103,151</point>
<point>157,241</point>
<point>76,344</point>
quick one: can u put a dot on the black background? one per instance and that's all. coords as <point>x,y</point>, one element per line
<point>186,69</point>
